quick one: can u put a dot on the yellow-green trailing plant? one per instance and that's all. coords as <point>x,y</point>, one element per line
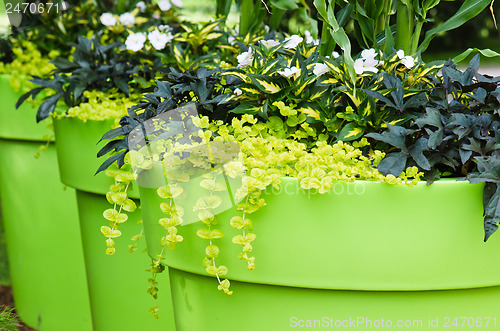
<point>27,61</point>
<point>249,155</point>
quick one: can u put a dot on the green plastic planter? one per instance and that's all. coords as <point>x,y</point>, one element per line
<point>40,219</point>
<point>19,124</point>
<point>117,284</point>
<point>365,252</point>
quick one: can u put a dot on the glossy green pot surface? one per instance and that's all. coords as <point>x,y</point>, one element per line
<point>78,165</point>
<point>199,306</point>
<point>19,124</point>
<point>43,240</point>
<point>118,283</point>
<point>407,251</point>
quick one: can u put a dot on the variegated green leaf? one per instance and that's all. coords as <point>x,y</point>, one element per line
<point>310,112</point>
<point>265,84</point>
<point>351,131</point>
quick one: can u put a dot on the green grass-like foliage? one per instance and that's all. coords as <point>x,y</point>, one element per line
<point>8,320</point>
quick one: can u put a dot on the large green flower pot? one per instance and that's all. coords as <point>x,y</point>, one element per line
<point>19,124</point>
<point>365,252</point>
<point>40,219</point>
<point>118,283</point>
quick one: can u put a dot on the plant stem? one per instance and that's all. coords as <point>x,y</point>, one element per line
<point>275,19</point>
<point>404,26</point>
<point>382,20</point>
<point>246,18</point>
<point>389,40</point>
<point>327,43</point>
<point>416,37</point>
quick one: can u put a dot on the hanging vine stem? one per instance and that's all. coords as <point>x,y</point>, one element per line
<point>169,240</point>
<point>117,198</point>
<point>212,251</point>
<point>242,223</point>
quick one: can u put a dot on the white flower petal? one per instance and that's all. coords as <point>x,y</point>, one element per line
<point>245,58</point>
<point>293,41</point>
<point>408,61</point>
<point>108,19</point>
<point>371,69</point>
<point>237,91</point>
<point>164,5</point>
<point>135,41</point>
<point>269,43</point>
<point>142,6</point>
<point>370,62</point>
<point>177,3</point>
<point>320,69</point>
<point>164,27</point>
<point>159,40</point>
<point>127,19</point>
<point>335,54</point>
<point>368,54</point>
<point>288,72</point>
<point>309,37</point>
<point>400,54</point>
<point>359,66</point>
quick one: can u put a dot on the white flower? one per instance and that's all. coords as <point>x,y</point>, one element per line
<point>142,6</point>
<point>320,69</point>
<point>64,5</point>
<point>164,5</point>
<point>288,72</point>
<point>108,19</point>
<point>245,58</point>
<point>159,40</point>
<point>362,65</point>
<point>177,3</point>
<point>368,54</point>
<point>266,28</point>
<point>358,66</point>
<point>231,40</point>
<point>155,16</point>
<point>270,43</point>
<point>293,41</point>
<point>127,19</point>
<point>310,39</point>
<point>164,27</point>
<point>335,54</point>
<point>237,91</point>
<point>135,41</point>
<point>408,61</point>
<point>449,98</point>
